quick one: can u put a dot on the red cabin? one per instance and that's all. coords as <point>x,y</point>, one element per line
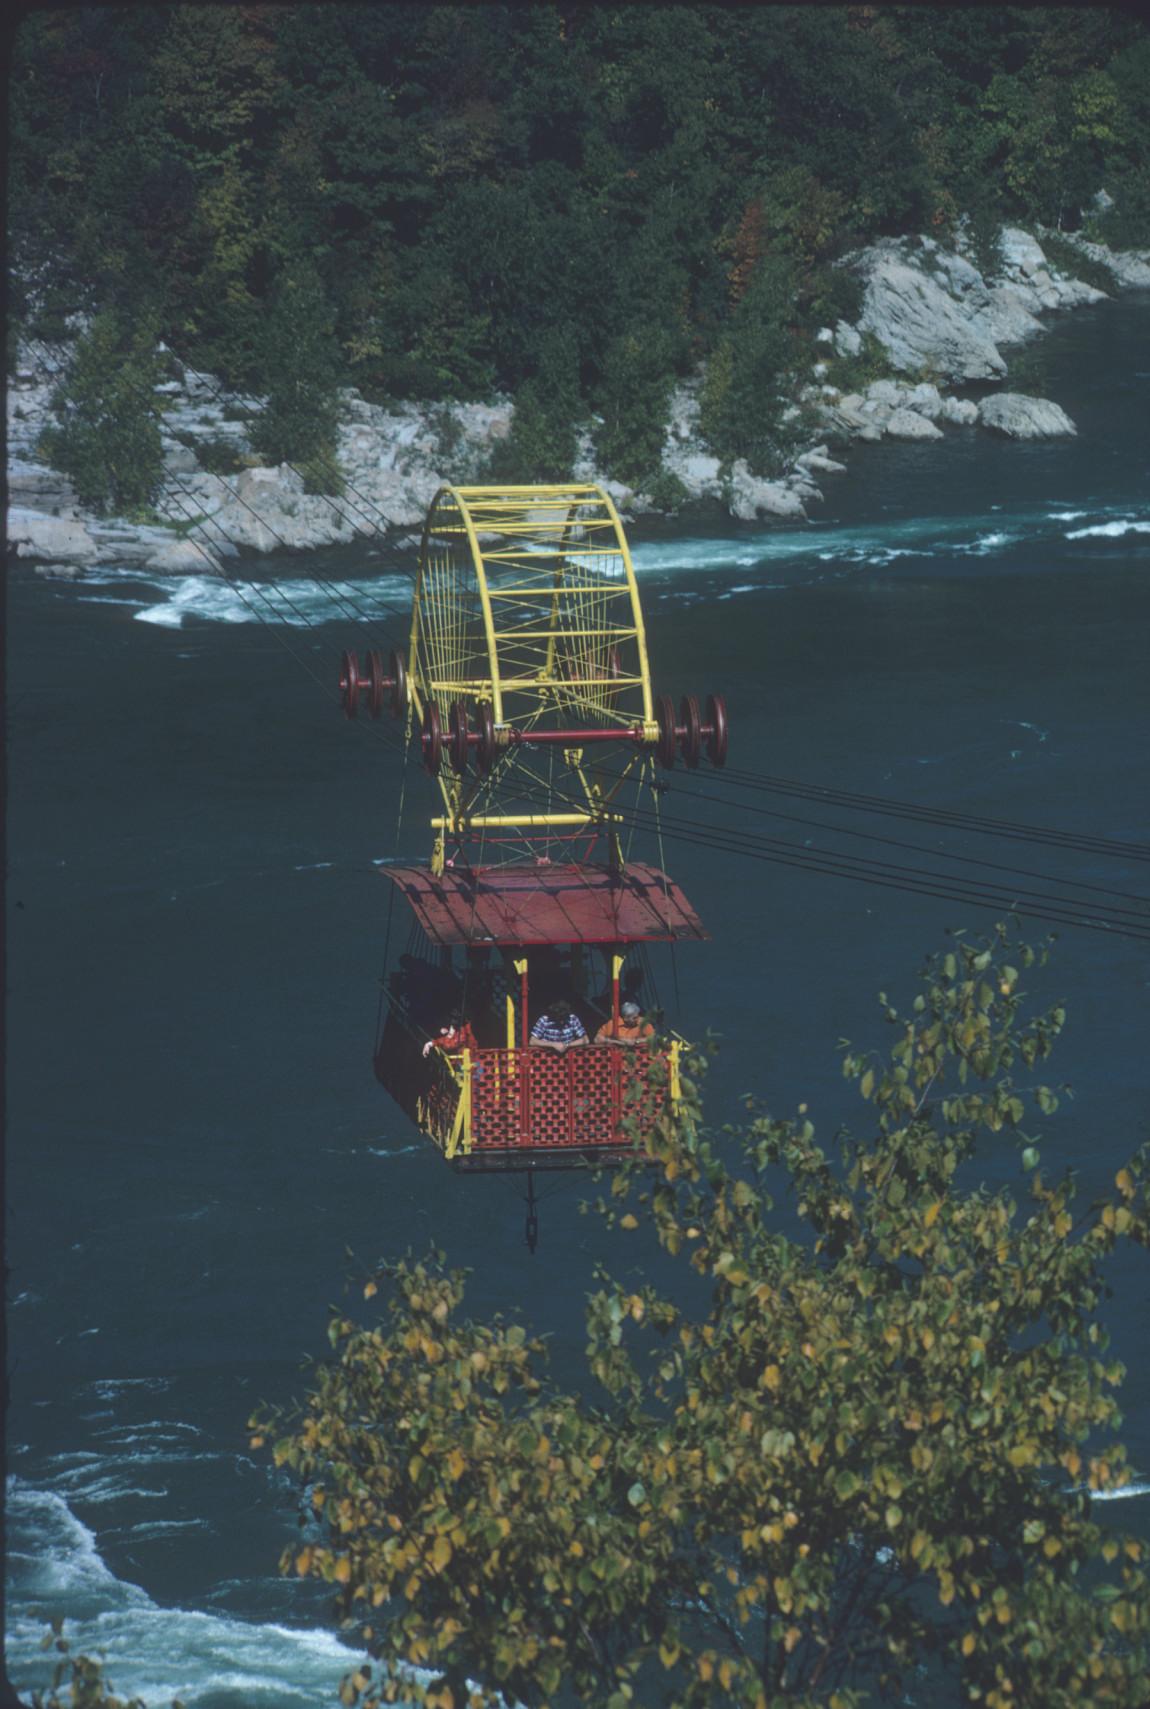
<point>497,946</point>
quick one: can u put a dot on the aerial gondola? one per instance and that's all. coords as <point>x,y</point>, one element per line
<point>527,695</point>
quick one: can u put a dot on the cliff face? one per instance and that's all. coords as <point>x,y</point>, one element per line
<point>935,317</point>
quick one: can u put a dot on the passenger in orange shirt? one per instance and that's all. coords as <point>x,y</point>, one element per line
<point>454,1035</point>
<point>629,1030</point>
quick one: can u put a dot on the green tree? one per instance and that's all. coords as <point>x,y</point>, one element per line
<point>633,399</point>
<point>823,1466</point>
<point>746,388</point>
<point>106,436</point>
<point>301,370</point>
<point>541,443</point>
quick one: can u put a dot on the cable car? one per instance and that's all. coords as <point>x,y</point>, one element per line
<point>526,695</point>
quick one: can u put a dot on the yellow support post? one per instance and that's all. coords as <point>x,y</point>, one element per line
<point>675,1083</point>
<point>460,1136</point>
<point>616,975</point>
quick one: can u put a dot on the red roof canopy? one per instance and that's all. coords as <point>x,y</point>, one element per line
<point>548,905</point>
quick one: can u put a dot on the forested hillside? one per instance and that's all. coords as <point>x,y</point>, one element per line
<point>574,204</point>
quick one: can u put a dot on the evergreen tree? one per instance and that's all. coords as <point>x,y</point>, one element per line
<point>541,444</point>
<point>301,367</point>
<point>107,434</point>
<point>744,394</point>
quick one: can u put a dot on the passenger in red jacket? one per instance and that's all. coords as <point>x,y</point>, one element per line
<point>453,1036</point>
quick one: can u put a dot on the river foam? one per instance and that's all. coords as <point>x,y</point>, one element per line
<point>152,1652</point>
<point>771,559</point>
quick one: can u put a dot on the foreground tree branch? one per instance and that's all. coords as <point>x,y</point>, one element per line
<point>862,1464</point>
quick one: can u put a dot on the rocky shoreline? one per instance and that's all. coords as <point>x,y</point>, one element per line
<point>937,320</point>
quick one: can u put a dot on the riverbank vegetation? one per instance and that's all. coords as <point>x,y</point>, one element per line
<point>577,205</point>
<point>844,1450</point>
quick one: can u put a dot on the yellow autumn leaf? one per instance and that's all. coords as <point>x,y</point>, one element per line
<point>369,1290</point>
<point>771,1377</point>
<point>628,1221</point>
<point>931,1216</point>
<point>441,1553</point>
<point>1124,1181</point>
<point>456,1464</point>
<point>303,1562</point>
<point>342,1573</point>
<point>968,1644</point>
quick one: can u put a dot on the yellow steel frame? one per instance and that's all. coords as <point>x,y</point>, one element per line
<point>526,598</point>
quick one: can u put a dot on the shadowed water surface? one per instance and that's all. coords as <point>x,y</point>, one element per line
<point>196,928</point>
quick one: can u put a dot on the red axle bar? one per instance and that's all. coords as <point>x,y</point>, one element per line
<point>690,735</point>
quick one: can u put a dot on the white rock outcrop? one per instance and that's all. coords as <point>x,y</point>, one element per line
<point>908,424</point>
<point>1020,417</point>
<point>919,322</point>
<point>56,539</point>
<point>1130,267</point>
<point>751,498</point>
<point>932,310</point>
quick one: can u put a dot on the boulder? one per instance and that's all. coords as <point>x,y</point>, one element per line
<point>37,487</point>
<point>848,339</point>
<point>1006,316</point>
<point>887,392</point>
<point>926,400</point>
<point>1130,267</point>
<point>56,539</point>
<point>961,412</point>
<point>751,497</point>
<point>267,510</point>
<point>846,418</point>
<point>1020,417</point>
<point>956,274</point>
<point>908,424</point>
<point>819,463</point>
<point>919,323</point>
<point>59,572</point>
<point>180,460</point>
<point>1020,252</point>
<point>698,471</point>
<point>182,557</point>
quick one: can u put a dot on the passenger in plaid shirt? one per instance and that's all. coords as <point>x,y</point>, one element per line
<point>558,1028</point>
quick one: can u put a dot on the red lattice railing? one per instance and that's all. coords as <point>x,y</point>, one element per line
<point>529,1100</point>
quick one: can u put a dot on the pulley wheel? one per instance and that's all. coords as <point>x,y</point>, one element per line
<point>485,750</point>
<point>717,729</point>
<point>349,684</point>
<point>665,718</point>
<point>400,696</point>
<point>457,741</point>
<point>432,739</point>
<point>692,737</point>
<point>375,684</point>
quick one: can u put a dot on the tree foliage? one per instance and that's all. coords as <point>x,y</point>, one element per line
<point>469,181</point>
<point>300,359</point>
<point>106,436</point>
<point>840,1454</point>
<point>87,1685</point>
